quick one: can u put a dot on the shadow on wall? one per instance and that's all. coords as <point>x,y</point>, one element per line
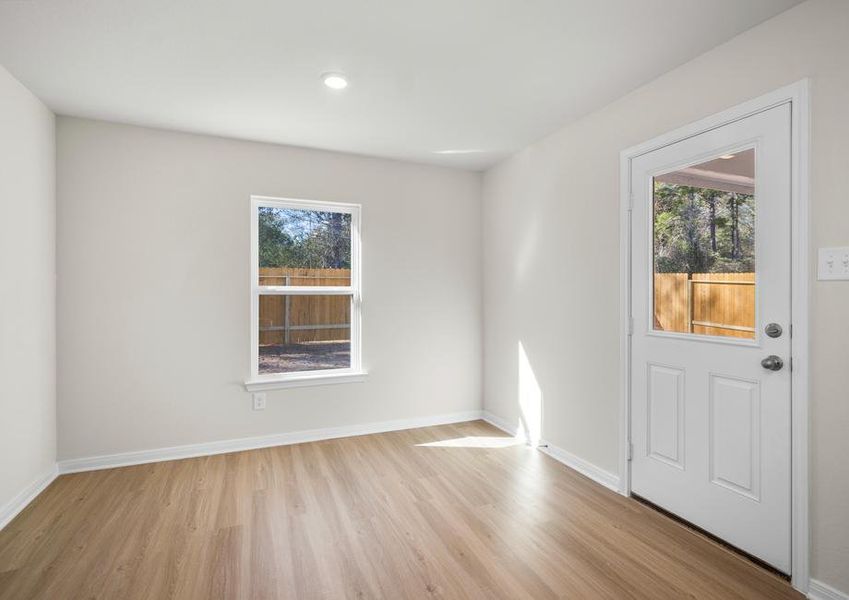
<point>530,401</point>
<point>526,253</point>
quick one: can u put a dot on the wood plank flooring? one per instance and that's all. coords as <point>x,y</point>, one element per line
<point>378,516</point>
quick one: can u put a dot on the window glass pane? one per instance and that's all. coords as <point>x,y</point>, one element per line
<point>304,247</point>
<point>304,333</point>
<point>704,248</point>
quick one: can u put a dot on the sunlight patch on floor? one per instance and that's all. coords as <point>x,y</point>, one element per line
<point>474,441</point>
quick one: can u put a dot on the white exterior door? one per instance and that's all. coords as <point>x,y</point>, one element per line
<point>710,348</point>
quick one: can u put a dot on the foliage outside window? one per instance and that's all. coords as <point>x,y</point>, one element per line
<point>315,239</point>
<point>703,230</point>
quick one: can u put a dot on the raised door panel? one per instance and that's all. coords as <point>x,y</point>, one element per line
<point>665,425</point>
<point>735,434</point>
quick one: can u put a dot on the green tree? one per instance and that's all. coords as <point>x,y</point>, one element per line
<point>304,239</point>
<point>702,230</point>
<point>276,247</point>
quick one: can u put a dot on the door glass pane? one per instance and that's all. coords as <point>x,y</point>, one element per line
<point>304,333</point>
<point>704,248</point>
<point>303,247</point>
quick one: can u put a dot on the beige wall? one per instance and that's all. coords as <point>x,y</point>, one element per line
<point>153,250</point>
<point>27,291</point>
<point>551,251</point>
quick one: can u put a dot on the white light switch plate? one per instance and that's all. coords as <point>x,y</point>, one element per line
<point>833,263</point>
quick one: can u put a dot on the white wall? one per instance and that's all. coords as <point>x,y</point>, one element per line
<point>27,291</point>
<point>551,237</point>
<point>153,251</point>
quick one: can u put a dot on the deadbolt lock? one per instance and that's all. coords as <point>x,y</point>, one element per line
<point>773,330</point>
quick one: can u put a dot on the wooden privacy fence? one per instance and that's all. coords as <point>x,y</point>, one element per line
<point>297,319</point>
<point>705,303</point>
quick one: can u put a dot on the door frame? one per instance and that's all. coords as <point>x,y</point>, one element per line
<point>797,95</point>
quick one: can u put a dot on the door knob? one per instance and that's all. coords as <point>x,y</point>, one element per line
<point>772,362</point>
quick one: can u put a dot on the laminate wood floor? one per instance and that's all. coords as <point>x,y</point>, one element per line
<point>377,516</point>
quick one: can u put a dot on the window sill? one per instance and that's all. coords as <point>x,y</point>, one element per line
<point>279,383</point>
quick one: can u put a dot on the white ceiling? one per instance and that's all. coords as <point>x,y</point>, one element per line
<point>425,75</point>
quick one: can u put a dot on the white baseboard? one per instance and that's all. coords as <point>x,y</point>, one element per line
<point>817,590</point>
<point>605,478</point>
<point>11,509</point>
<point>124,459</point>
<point>597,474</point>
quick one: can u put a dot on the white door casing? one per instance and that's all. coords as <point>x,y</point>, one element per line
<point>710,427</point>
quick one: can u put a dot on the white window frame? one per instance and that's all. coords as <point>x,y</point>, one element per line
<point>258,382</point>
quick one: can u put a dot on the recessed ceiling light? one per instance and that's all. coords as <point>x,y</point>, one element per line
<point>335,81</point>
<point>456,151</point>
<point>727,156</point>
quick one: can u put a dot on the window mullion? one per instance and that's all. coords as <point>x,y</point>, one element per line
<point>305,291</point>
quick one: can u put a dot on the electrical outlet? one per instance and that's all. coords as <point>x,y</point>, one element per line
<point>258,400</point>
<point>833,263</point>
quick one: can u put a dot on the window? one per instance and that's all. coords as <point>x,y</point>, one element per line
<point>305,292</point>
<point>704,248</point>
